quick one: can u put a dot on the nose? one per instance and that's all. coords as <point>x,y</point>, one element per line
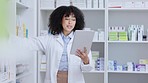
<point>69,22</point>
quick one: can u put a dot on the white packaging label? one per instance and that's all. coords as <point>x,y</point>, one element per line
<point>138,4</point>
<point>128,5</point>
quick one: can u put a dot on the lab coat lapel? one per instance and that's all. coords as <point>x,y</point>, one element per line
<point>72,36</point>
<point>60,40</point>
<point>71,40</point>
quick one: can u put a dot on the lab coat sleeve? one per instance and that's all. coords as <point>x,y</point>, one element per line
<point>87,67</point>
<point>30,44</point>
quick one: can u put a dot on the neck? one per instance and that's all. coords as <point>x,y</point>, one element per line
<point>66,33</point>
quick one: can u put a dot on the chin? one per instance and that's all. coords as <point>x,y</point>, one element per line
<point>69,30</point>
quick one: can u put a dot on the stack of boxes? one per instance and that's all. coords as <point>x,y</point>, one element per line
<point>95,56</point>
<point>112,65</point>
<point>43,62</point>
<point>144,65</point>
<point>136,32</point>
<point>117,33</point>
<point>123,36</point>
<point>100,64</point>
<point>77,3</point>
<point>7,71</point>
<point>113,36</point>
<point>129,66</point>
<point>62,2</point>
<point>97,62</point>
<point>128,4</point>
<point>47,3</point>
<point>101,35</point>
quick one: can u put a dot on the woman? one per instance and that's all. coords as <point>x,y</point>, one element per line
<point>63,67</point>
<point>63,22</point>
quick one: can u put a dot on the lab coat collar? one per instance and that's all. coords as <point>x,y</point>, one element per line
<point>60,40</point>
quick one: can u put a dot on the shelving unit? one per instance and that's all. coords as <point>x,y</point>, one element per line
<point>23,75</point>
<point>130,9</point>
<point>26,26</point>
<point>121,51</point>
<point>9,81</point>
<point>90,14</point>
<point>127,51</point>
<point>128,72</point>
<point>21,5</point>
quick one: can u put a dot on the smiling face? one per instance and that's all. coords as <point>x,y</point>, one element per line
<point>68,23</point>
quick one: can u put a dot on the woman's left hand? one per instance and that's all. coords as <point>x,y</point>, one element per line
<point>83,55</point>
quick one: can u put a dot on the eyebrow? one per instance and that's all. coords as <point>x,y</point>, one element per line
<point>67,15</point>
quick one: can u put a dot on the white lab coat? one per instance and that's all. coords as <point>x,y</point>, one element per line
<point>53,45</point>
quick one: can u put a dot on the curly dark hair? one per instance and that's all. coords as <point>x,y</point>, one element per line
<point>55,20</point>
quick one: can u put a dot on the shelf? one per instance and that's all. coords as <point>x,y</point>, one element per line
<point>80,8</point>
<point>98,41</point>
<point>47,8</point>
<point>110,9</point>
<point>93,71</point>
<point>114,9</point>
<point>42,70</point>
<point>7,81</point>
<point>21,5</point>
<point>92,8</point>
<point>128,42</point>
<point>23,75</point>
<point>128,72</point>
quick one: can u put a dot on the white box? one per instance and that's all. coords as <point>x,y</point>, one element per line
<point>89,3</point>
<point>101,36</point>
<point>47,4</point>
<point>128,4</point>
<point>101,3</point>
<point>96,35</point>
<point>139,4</point>
<point>62,3</point>
<point>79,3</point>
<point>111,68</point>
<point>93,64</point>
<point>140,33</point>
<point>134,34</point>
<point>130,66</point>
<point>119,68</point>
<point>43,59</point>
<point>146,67</point>
<point>43,67</point>
<point>95,4</point>
<point>121,29</point>
<point>114,4</point>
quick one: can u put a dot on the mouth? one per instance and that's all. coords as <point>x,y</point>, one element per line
<point>69,26</point>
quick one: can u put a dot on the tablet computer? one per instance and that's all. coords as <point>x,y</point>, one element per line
<point>82,39</point>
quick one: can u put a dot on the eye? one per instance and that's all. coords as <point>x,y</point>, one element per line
<point>66,18</point>
<point>73,19</point>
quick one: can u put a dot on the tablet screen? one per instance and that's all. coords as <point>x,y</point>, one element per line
<point>82,39</point>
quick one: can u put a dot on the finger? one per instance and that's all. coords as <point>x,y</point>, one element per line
<point>85,50</point>
<point>78,53</point>
<point>83,55</point>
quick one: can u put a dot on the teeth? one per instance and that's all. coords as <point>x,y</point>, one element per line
<point>69,26</point>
